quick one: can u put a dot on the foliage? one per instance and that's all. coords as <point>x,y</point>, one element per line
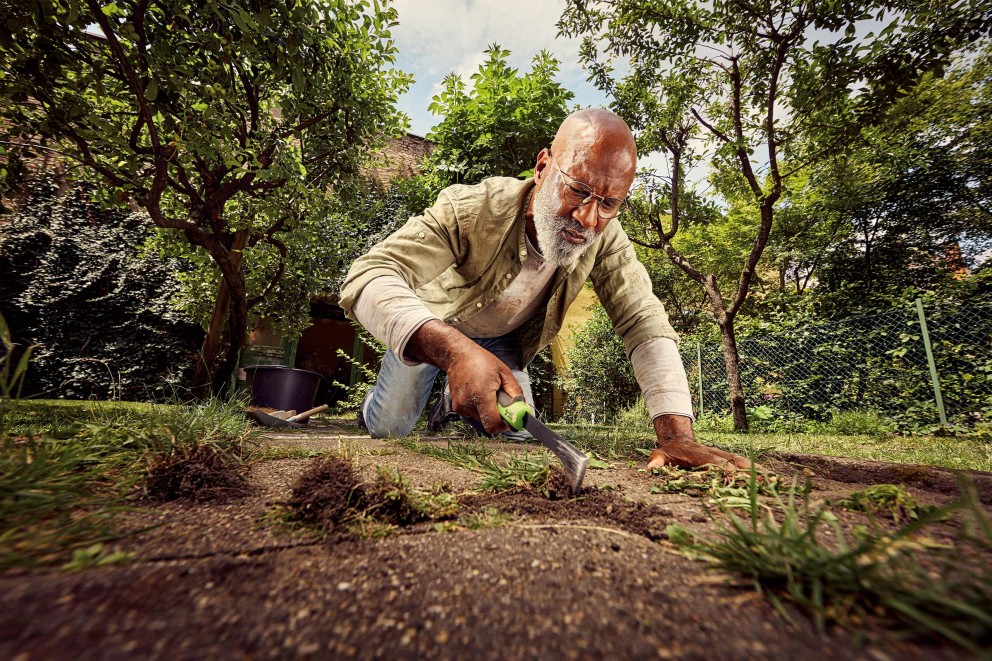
<point>232,124</point>
<point>599,380</point>
<point>838,371</point>
<point>13,368</point>
<point>65,479</point>
<point>758,91</point>
<point>912,582</point>
<point>355,395</point>
<point>907,204</point>
<point>494,129</point>
<point>863,423</point>
<point>97,308</point>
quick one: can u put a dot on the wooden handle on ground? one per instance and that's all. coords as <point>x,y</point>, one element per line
<point>306,414</point>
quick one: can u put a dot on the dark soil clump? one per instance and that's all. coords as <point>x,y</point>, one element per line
<point>325,492</point>
<point>559,485</point>
<point>556,503</point>
<point>330,493</point>
<point>204,474</point>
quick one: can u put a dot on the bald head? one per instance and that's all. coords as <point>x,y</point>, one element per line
<point>597,138</point>
<point>591,163</point>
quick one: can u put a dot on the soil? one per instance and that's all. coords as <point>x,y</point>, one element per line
<point>203,475</point>
<point>587,575</point>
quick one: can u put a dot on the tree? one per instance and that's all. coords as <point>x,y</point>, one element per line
<point>748,86</point>
<point>228,123</point>
<point>494,129</point>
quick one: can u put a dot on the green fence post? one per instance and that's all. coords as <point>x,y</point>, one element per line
<point>931,362</point>
<point>699,374</point>
<point>357,358</point>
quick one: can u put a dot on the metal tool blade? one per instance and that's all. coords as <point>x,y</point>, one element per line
<point>572,458</point>
<point>519,415</point>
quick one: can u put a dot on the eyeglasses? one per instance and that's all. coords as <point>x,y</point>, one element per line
<point>578,194</point>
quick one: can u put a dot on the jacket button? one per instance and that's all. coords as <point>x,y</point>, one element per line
<point>421,234</point>
<point>509,275</point>
<point>626,255</point>
<point>478,305</point>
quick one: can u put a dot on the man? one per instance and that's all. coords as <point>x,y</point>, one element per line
<point>479,283</point>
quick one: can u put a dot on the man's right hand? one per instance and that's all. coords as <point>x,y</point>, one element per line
<point>474,374</point>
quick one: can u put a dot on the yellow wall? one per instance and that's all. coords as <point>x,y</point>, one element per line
<point>578,314</point>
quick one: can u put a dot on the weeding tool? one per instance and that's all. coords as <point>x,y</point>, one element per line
<point>519,415</point>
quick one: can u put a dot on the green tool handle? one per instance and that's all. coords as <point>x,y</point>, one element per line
<point>513,410</point>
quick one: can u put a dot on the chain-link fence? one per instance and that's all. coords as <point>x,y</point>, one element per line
<point>920,365</point>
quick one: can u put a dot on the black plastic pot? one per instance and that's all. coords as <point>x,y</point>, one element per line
<point>283,388</point>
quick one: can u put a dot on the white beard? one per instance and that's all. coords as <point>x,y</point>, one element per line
<point>549,225</point>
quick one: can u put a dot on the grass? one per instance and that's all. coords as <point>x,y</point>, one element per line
<point>945,451</point>
<point>890,500</point>
<point>68,469</point>
<point>629,439</point>
<point>498,474</point>
<point>796,550</point>
<point>330,495</point>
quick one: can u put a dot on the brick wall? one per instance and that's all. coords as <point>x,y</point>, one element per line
<point>402,157</point>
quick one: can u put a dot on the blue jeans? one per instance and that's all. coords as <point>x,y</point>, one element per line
<point>400,394</point>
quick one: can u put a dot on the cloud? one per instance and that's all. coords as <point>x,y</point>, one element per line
<point>449,35</point>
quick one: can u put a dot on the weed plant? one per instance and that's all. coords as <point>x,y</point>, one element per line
<point>890,500</point>
<point>526,470</point>
<point>902,578</point>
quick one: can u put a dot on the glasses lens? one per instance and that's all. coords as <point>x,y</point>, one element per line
<point>576,194</point>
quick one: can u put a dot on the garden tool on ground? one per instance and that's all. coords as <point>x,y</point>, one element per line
<point>519,415</point>
<point>270,420</point>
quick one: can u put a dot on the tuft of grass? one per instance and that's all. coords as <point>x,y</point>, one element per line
<point>516,470</point>
<point>391,498</point>
<point>64,479</point>
<point>96,555</point>
<point>901,578</point>
<point>887,499</point>
<point>859,423</point>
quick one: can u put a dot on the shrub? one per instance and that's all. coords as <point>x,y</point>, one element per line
<point>859,423</point>
<point>599,378</point>
<point>98,309</point>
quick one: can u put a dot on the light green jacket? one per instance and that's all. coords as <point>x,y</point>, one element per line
<point>465,250</point>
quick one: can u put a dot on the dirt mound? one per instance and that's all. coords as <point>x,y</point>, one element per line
<point>325,492</point>
<point>555,502</point>
<point>202,474</point>
<point>330,493</point>
<point>859,471</point>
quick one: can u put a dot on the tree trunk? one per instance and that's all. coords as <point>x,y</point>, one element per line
<point>728,345</point>
<point>230,313</point>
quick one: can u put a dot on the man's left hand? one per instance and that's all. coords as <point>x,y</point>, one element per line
<point>677,446</point>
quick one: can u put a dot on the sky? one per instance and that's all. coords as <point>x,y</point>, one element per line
<point>437,37</point>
